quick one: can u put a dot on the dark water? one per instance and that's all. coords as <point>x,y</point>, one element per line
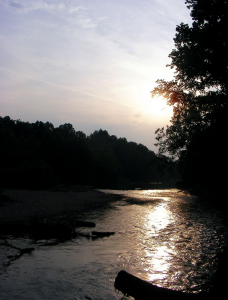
<point>165,237</point>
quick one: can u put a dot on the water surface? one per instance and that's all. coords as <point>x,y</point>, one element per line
<point>162,236</point>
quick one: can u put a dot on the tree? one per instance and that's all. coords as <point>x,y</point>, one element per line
<point>105,166</point>
<point>198,95</point>
<point>200,55</point>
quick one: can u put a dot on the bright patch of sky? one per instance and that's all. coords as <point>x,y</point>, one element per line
<point>90,63</point>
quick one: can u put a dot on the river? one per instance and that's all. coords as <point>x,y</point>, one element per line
<point>166,237</point>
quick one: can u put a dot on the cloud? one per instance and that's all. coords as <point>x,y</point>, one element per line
<point>138,115</point>
<point>73,9</point>
<point>87,23</point>
<point>16,5</point>
<point>26,6</point>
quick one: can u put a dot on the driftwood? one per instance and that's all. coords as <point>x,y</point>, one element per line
<point>95,234</point>
<point>142,290</point>
<point>102,234</point>
<point>22,250</point>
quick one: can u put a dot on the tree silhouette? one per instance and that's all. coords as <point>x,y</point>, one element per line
<point>198,95</point>
<point>38,155</point>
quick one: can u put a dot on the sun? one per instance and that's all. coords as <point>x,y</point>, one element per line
<point>154,106</point>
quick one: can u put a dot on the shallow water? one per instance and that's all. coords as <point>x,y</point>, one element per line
<point>162,236</point>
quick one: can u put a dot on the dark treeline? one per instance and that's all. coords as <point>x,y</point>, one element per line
<point>198,94</point>
<point>38,155</point>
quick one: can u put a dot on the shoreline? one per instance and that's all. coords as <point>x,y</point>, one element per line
<point>23,206</point>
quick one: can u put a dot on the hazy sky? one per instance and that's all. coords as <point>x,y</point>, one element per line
<point>91,63</point>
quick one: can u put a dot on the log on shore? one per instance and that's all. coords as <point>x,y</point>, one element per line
<point>141,290</point>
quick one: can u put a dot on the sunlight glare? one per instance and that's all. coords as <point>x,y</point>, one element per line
<point>159,217</point>
<point>159,264</point>
<point>158,259</point>
<point>154,106</point>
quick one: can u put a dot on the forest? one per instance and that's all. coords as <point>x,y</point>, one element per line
<point>39,155</point>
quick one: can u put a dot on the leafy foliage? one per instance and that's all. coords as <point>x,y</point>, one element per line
<point>200,54</point>
<point>198,95</point>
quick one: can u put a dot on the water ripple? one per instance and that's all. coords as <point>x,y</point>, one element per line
<point>165,237</point>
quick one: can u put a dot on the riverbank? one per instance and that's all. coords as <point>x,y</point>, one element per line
<point>19,206</point>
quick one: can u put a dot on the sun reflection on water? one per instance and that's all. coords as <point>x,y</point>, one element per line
<point>158,218</point>
<point>172,238</point>
<point>157,257</point>
<point>159,264</point>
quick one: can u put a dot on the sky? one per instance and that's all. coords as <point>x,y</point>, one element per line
<point>91,63</point>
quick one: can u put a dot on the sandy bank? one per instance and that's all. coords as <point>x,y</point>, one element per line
<point>25,204</point>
